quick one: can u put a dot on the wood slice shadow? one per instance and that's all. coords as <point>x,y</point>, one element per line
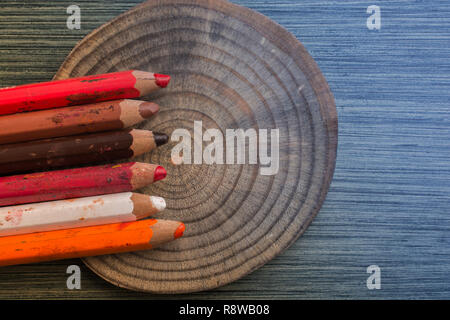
<point>231,67</point>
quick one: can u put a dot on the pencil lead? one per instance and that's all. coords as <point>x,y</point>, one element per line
<point>160,138</point>
<point>147,109</point>
<point>160,173</point>
<point>162,80</point>
<point>179,231</point>
<point>158,202</point>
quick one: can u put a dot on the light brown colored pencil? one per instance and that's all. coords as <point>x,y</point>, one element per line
<point>103,116</point>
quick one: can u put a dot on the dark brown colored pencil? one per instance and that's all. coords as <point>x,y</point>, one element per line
<point>81,149</point>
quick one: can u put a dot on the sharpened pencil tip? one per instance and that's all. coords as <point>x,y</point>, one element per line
<point>160,173</point>
<point>147,109</point>
<point>160,138</point>
<point>179,231</point>
<point>158,202</point>
<point>162,80</point>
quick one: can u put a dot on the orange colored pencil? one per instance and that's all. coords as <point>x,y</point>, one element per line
<point>88,241</point>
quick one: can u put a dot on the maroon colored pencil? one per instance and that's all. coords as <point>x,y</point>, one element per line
<point>78,182</point>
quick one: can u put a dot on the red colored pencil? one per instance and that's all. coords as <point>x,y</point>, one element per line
<point>77,91</point>
<point>79,182</point>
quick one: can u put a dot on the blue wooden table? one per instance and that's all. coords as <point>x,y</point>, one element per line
<point>389,202</point>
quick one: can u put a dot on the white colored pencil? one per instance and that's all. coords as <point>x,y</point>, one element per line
<point>79,212</point>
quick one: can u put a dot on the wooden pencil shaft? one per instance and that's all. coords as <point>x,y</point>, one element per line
<point>88,241</point>
<point>77,182</point>
<point>97,117</point>
<point>79,91</point>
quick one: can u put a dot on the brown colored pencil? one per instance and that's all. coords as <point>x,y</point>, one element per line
<point>103,116</point>
<point>75,150</point>
<point>88,241</point>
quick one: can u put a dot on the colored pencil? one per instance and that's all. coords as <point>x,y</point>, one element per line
<point>78,182</point>
<point>88,241</point>
<point>78,91</point>
<point>78,212</point>
<point>75,150</point>
<point>102,116</point>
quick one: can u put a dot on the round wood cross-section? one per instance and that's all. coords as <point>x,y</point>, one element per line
<point>231,68</point>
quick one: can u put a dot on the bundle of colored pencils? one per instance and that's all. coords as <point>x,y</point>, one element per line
<point>79,211</point>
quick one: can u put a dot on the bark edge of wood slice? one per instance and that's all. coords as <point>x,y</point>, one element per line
<point>231,68</point>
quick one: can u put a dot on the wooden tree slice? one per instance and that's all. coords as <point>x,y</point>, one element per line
<point>231,68</point>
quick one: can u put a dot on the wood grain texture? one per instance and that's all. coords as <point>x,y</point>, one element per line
<point>231,68</point>
<point>389,200</point>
